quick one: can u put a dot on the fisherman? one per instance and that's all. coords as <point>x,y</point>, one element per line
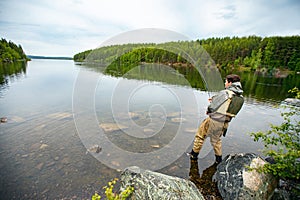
<point>222,108</point>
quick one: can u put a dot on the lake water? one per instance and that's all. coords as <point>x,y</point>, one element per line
<point>57,111</point>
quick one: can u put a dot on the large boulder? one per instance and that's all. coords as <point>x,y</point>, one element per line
<point>287,189</point>
<point>292,101</point>
<point>236,181</point>
<point>153,185</point>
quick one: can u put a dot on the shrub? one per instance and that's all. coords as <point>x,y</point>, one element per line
<point>282,143</point>
<point>110,195</point>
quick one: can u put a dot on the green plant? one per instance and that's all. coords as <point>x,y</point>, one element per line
<point>110,195</point>
<point>282,143</point>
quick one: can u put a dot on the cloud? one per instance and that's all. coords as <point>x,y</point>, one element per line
<point>66,27</point>
<point>227,12</point>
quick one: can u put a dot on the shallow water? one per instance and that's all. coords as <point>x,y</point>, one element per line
<point>52,122</point>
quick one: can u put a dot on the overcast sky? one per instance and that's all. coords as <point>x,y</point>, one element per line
<point>66,27</point>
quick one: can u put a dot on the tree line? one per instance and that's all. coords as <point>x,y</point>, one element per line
<point>10,52</point>
<point>252,52</point>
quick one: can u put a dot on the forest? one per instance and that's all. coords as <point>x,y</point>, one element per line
<point>10,52</point>
<point>248,53</point>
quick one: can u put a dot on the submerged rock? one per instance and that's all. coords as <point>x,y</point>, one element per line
<point>149,131</point>
<point>94,149</point>
<point>155,146</point>
<point>191,130</point>
<point>43,146</point>
<point>292,101</point>
<point>111,127</point>
<point>236,181</point>
<point>178,119</point>
<point>134,115</point>
<point>17,119</point>
<point>60,115</point>
<point>173,114</point>
<point>152,185</point>
<point>3,119</point>
<point>39,166</point>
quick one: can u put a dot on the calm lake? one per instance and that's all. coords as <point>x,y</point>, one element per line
<point>55,110</point>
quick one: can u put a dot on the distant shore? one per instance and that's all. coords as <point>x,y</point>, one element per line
<point>49,57</point>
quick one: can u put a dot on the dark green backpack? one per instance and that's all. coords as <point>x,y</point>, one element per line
<point>236,104</point>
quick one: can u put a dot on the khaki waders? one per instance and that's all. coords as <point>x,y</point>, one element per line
<point>214,130</point>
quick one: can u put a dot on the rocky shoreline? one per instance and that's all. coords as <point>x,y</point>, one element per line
<point>233,178</point>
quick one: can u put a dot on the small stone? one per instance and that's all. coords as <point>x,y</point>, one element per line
<point>95,149</point>
<point>40,127</point>
<point>56,158</point>
<point>173,114</point>
<point>65,161</point>
<point>148,130</point>
<point>34,146</point>
<point>40,166</point>
<point>43,146</point>
<point>50,164</point>
<point>115,163</point>
<point>3,119</point>
<point>45,191</point>
<point>191,130</point>
<point>178,119</point>
<point>155,146</point>
<point>133,115</point>
<point>174,168</point>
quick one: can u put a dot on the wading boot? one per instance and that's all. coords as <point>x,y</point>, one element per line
<point>218,159</point>
<point>193,155</point>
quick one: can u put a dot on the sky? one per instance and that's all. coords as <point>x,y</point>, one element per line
<point>66,27</point>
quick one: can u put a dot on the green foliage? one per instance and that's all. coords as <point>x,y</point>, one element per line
<point>127,61</point>
<point>295,92</point>
<point>110,195</point>
<point>80,57</point>
<point>282,143</point>
<point>10,52</point>
<point>252,52</point>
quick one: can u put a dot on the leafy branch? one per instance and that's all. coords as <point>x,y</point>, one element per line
<point>282,143</point>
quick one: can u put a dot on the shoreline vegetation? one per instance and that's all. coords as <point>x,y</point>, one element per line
<point>10,52</point>
<point>278,56</point>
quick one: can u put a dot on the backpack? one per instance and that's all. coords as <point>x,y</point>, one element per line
<point>236,104</point>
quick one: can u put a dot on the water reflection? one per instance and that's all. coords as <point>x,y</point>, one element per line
<point>269,89</point>
<point>266,88</point>
<point>10,72</point>
<point>205,182</point>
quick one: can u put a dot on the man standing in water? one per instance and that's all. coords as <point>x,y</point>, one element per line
<point>222,108</point>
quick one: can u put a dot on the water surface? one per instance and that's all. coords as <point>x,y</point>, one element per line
<point>42,155</point>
